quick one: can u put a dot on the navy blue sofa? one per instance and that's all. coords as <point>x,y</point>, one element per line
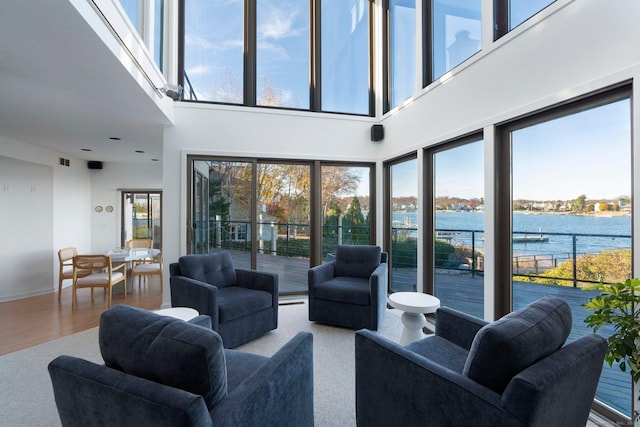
<point>516,371</point>
<point>351,290</point>
<point>242,304</point>
<point>161,371</point>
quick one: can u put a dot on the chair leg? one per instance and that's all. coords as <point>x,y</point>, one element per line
<point>73,296</point>
<point>110,293</point>
<point>60,289</point>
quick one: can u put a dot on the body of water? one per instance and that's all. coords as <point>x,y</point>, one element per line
<point>604,232</point>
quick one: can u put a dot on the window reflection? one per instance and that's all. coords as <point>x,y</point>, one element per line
<point>456,32</point>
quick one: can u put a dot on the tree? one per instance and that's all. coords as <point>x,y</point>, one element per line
<point>354,223</point>
<point>579,204</point>
<point>337,181</point>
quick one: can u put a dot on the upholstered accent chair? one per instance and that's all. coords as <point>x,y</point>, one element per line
<point>162,371</point>
<point>351,290</point>
<point>242,304</point>
<point>516,371</point>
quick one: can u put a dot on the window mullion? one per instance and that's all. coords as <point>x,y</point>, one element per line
<point>250,52</point>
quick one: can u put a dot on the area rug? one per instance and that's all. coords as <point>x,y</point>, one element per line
<point>26,395</point>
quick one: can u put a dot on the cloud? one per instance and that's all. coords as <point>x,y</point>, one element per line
<point>277,24</point>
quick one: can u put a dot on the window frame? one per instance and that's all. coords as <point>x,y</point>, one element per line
<point>249,77</point>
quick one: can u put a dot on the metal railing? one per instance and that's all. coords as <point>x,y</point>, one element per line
<point>462,250</point>
<point>459,250</point>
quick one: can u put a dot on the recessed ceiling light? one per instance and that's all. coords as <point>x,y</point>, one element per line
<point>155,160</point>
<point>139,151</point>
<point>86,149</point>
<point>114,138</point>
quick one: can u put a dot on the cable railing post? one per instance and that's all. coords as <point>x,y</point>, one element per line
<point>575,263</point>
<point>473,254</point>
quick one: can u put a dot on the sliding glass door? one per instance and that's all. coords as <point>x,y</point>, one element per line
<point>141,216</point>
<point>262,212</point>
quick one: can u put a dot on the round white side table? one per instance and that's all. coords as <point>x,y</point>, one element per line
<point>183,313</point>
<point>414,305</point>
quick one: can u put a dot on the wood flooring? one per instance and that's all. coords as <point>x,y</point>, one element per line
<point>30,321</point>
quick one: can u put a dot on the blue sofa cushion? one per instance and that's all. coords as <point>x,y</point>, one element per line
<point>500,350</point>
<point>349,290</point>
<point>165,350</point>
<point>215,269</point>
<point>235,302</point>
<point>441,351</point>
<point>356,261</point>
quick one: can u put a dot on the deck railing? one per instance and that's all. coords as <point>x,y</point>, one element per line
<point>457,250</point>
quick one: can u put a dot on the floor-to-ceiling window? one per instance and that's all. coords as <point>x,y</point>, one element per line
<point>346,207</point>
<point>284,223</point>
<point>402,212</point>
<point>263,212</point>
<point>456,207</point>
<point>567,223</point>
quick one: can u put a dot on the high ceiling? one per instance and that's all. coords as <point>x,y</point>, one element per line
<point>62,88</point>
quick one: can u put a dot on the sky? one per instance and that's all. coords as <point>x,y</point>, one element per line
<point>584,153</point>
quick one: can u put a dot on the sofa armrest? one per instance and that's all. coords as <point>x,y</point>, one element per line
<point>395,386</point>
<point>279,393</point>
<point>187,292</point>
<point>113,397</point>
<point>458,327</point>
<point>258,280</point>
<point>320,274</point>
<point>202,320</point>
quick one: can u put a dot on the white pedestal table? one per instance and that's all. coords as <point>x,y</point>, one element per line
<point>415,305</point>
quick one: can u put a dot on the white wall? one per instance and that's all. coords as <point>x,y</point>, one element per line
<point>44,208</point>
<point>106,186</point>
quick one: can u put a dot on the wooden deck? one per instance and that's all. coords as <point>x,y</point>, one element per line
<point>465,293</point>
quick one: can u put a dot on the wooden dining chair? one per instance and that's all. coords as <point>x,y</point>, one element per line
<point>103,275</point>
<point>145,268</point>
<point>139,244</point>
<point>65,256</point>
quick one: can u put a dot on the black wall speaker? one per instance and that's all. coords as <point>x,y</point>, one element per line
<point>93,164</point>
<point>377,132</point>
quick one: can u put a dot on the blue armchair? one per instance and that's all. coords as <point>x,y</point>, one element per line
<point>512,372</point>
<point>242,304</point>
<point>351,290</point>
<point>161,371</point>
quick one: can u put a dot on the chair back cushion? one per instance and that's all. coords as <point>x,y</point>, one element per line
<point>215,269</point>
<point>165,350</point>
<point>500,350</point>
<point>356,260</point>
